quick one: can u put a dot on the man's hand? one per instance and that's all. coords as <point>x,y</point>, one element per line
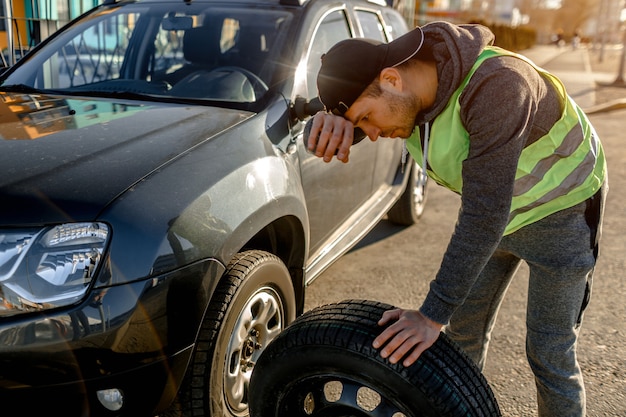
<point>409,336</point>
<point>334,132</point>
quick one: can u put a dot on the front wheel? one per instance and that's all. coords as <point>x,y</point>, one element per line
<point>253,303</point>
<point>324,365</point>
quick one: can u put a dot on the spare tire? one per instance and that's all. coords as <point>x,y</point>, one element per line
<point>324,365</point>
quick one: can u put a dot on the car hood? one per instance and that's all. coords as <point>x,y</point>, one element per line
<point>64,159</point>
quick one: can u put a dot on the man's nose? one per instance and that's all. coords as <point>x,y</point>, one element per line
<point>372,132</point>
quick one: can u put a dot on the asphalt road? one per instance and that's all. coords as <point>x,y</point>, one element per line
<point>394,265</point>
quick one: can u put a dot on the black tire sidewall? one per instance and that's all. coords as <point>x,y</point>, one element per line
<point>270,273</point>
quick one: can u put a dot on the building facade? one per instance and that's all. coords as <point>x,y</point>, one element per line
<point>25,23</point>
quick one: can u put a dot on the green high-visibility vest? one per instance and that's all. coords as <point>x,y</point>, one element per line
<point>560,170</point>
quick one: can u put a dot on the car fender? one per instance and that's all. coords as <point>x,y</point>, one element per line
<point>204,217</point>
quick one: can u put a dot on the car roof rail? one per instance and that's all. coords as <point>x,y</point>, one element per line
<point>302,2</point>
<point>293,2</point>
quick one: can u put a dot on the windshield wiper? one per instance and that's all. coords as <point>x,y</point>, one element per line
<point>27,89</point>
<point>20,88</point>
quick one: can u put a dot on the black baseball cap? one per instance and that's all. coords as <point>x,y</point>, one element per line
<point>352,64</point>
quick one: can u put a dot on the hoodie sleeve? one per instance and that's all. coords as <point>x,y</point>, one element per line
<point>498,109</point>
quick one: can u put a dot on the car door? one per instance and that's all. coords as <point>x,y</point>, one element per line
<point>334,191</point>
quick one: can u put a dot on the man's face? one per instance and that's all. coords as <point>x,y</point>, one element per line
<point>390,115</point>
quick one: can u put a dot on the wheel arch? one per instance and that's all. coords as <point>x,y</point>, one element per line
<point>285,237</point>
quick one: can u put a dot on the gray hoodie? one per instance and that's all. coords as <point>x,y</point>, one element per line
<point>506,106</point>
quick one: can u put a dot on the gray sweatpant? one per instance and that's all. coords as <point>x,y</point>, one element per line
<point>560,251</point>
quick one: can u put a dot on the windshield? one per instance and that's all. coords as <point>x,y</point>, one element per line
<point>175,50</point>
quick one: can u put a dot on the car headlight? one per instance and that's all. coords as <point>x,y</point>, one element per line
<point>43,268</point>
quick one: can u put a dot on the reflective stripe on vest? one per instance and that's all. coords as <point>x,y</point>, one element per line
<point>560,170</point>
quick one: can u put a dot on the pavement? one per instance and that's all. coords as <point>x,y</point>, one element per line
<point>574,70</point>
<point>586,76</point>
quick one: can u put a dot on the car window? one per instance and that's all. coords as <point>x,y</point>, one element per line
<point>332,29</point>
<point>396,25</point>
<point>188,51</point>
<point>226,38</point>
<point>93,55</point>
<point>371,25</point>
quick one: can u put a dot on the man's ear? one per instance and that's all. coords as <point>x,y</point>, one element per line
<point>390,78</point>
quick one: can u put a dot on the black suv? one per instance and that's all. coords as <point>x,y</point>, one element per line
<point>160,217</point>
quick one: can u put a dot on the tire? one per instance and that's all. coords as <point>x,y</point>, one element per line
<point>410,207</point>
<point>324,365</point>
<point>252,304</point>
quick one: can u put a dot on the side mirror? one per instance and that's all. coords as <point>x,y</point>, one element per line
<point>303,108</point>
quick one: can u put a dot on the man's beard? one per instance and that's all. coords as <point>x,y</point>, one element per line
<point>405,109</point>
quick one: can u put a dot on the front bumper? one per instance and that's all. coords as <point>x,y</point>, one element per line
<point>136,338</point>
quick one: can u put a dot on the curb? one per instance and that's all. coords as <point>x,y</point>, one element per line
<point>606,107</point>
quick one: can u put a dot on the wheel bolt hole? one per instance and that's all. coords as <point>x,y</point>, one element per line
<point>309,404</point>
<point>368,399</point>
<point>332,391</point>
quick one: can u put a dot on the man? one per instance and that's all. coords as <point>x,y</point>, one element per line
<point>531,173</point>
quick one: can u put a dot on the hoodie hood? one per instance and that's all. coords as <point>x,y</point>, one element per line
<point>455,49</point>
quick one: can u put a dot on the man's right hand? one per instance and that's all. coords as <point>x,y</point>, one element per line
<point>335,135</point>
<point>409,335</point>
